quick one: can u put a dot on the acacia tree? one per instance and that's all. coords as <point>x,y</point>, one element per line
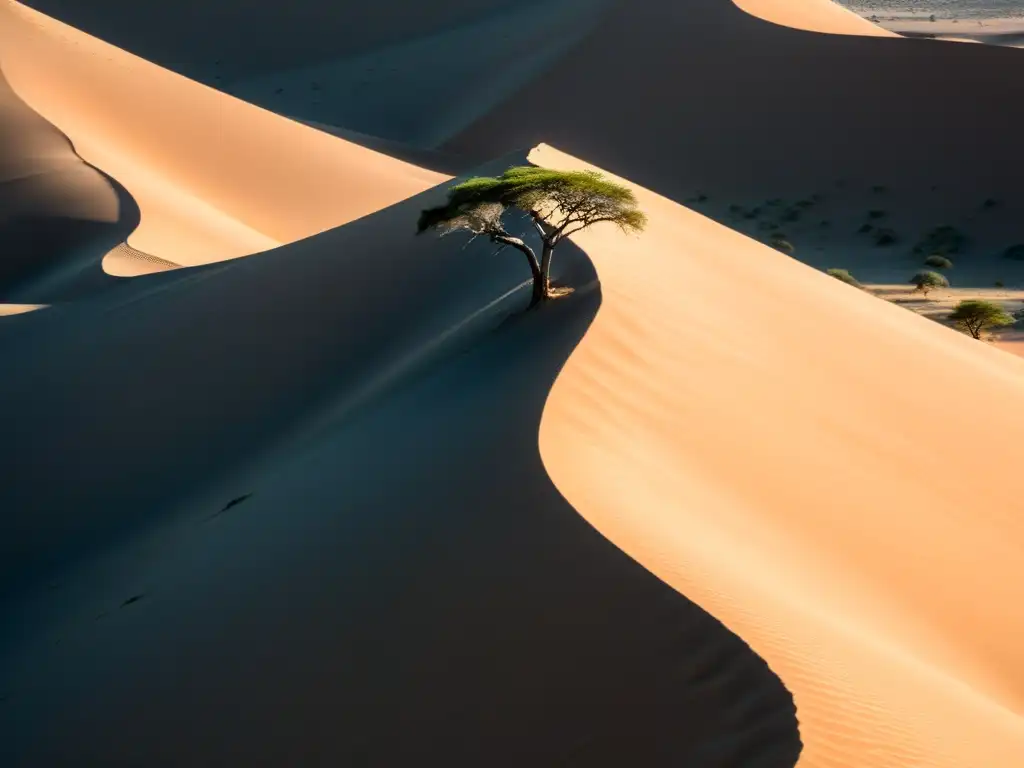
<point>925,281</point>
<point>975,315</point>
<point>558,204</point>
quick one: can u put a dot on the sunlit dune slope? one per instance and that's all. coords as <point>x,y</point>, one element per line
<point>832,476</point>
<point>812,15</point>
<point>214,177</point>
<point>52,205</point>
<point>302,517</point>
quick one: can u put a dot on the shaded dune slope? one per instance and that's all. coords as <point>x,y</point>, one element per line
<point>214,177</point>
<point>788,452</point>
<point>58,215</point>
<point>761,110</point>
<point>398,580</point>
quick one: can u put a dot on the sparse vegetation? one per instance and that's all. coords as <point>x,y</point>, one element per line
<point>791,215</point>
<point>990,203</point>
<point>927,281</point>
<point>876,214</point>
<point>942,241</point>
<point>557,203</point>
<point>781,244</point>
<point>999,284</point>
<point>844,276</point>
<point>1015,252</point>
<point>939,262</point>
<point>884,237</point>
<point>879,189</point>
<point>864,229</point>
<point>976,315</point>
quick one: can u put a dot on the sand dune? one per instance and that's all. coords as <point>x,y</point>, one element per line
<point>397,579</point>
<point>789,452</point>
<point>295,504</point>
<point>214,177</point>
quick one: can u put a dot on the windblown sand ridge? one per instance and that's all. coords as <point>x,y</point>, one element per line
<point>294,502</point>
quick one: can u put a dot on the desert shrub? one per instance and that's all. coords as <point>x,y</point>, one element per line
<point>943,241</point>
<point>975,315</point>
<point>926,281</point>
<point>884,237</point>
<point>1015,252</point>
<point>825,223</point>
<point>791,215</point>
<point>781,244</point>
<point>990,203</point>
<point>999,284</point>
<point>940,262</point>
<point>876,214</point>
<point>879,189</point>
<point>843,276</point>
<point>864,229</point>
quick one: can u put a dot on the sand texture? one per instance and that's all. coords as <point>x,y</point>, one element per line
<point>285,484</point>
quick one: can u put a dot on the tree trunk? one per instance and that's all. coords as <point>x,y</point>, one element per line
<point>545,268</point>
<point>539,292</point>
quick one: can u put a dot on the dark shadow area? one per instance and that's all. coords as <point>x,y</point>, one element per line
<point>50,248</point>
<point>413,589</point>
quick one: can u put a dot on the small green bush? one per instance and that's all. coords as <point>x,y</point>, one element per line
<point>783,245</point>
<point>864,229</point>
<point>876,214</point>
<point>844,276</point>
<point>1015,252</point>
<point>975,315</point>
<point>926,281</point>
<point>942,241</point>
<point>940,262</point>
<point>884,237</point>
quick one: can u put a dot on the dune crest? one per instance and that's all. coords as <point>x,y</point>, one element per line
<point>214,177</point>
<point>813,16</point>
<point>783,449</point>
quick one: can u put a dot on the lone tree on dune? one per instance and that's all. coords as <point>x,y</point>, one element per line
<point>975,315</point>
<point>925,281</point>
<point>558,204</point>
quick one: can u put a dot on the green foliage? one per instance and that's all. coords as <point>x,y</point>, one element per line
<point>781,244</point>
<point>926,281</point>
<point>844,276</point>
<point>879,189</point>
<point>999,284</point>
<point>989,203</point>
<point>567,201</point>
<point>975,315</point>
<point>876,214</point>
<point>791,215</point>
<point>864,229</point>
<point>940,262</point>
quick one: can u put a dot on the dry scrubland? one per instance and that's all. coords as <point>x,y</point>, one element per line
<point>285,484</point>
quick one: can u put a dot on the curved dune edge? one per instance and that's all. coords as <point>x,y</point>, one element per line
<point>783,450</point>
<point>327,489</point>
<point>813,16</point>
<point>214,177</point>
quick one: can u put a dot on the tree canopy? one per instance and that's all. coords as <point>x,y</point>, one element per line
<point>558,203</point>
<point>925,281</point>
<point>975,315</point>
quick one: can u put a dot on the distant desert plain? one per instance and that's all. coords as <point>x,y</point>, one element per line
<point>304,464</point>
